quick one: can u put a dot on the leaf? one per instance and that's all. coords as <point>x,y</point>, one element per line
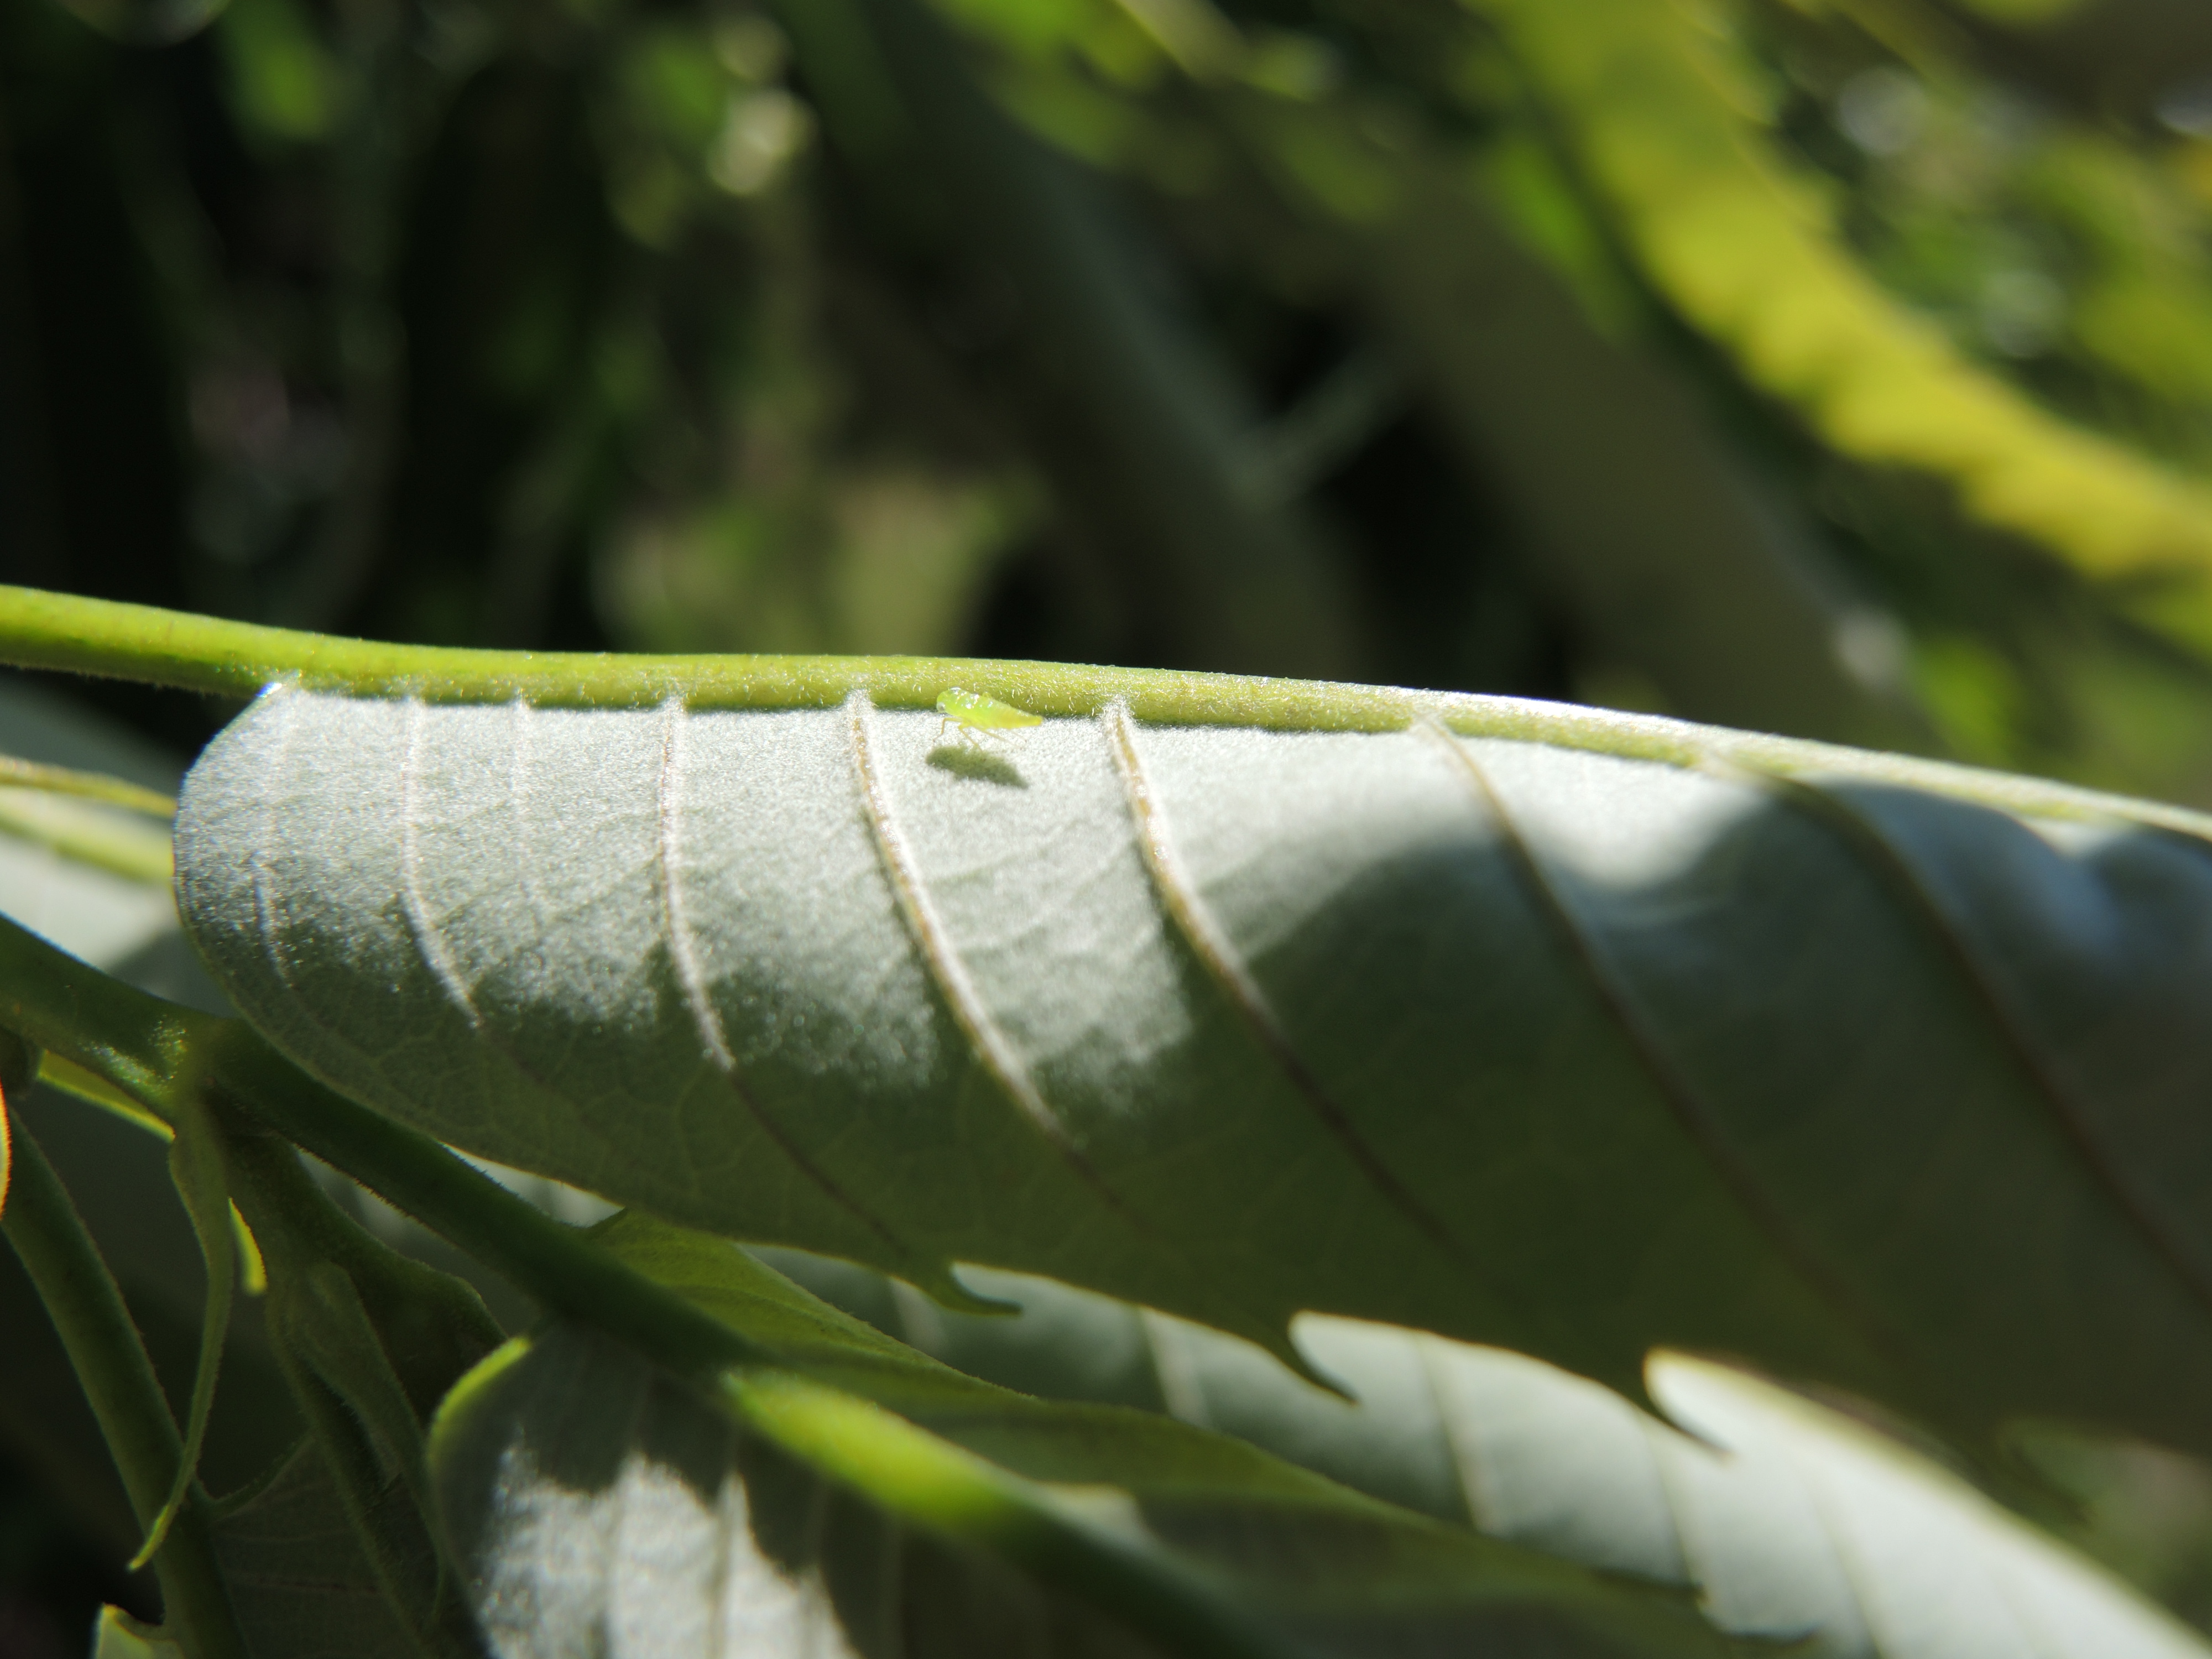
<point>302,1587</point>
<point>595,1500</point>
<point>93,880</point>
<point>93,837</point>
<point>1786,1519</point>
<point>1660,112</point>
<point>117,1635</point>
<point>329,1332</point>
<point>1751,1048</point>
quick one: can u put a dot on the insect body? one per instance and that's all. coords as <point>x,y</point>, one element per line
<point>978,716</point>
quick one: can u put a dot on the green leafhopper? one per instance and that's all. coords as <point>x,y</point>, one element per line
<point>978,716</point>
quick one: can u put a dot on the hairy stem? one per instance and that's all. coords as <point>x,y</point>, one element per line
<point>203,654</point>
<point>80,1297</point>
<point>200,654</point>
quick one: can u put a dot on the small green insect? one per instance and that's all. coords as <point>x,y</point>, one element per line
<point>977,716</point>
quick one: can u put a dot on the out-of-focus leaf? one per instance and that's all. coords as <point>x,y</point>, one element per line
<point>2021,13</point>
<point>285,83</point>
<point>89,785</point>
<point>1144,415</point>
<point>119,1635</point>
<point>148,23</point>
<point>2098,56</point>
<point>2145,305</point>
<point>1666,118</point>
<point>1686,564</point>
<point>1787,1520</point>
<point>1879,1074</point>
<point>61,859</point>
<point>594,1500</point>
<point>1682,564</point>
<point>87,833</point>
<point>370,1342</point>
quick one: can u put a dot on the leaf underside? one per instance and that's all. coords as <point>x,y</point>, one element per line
<point>1787,1521</point>
<point>1537,1048</point>
<point>592,1500</point>
<point>298,1578</point>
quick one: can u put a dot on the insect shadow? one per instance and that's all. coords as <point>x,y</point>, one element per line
<point>965,759</point>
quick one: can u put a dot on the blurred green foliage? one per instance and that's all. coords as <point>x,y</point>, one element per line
<point>1840,367</point>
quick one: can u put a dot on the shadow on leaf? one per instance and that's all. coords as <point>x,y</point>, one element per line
<point>964,761</point>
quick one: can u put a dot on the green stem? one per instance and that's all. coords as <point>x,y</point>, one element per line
<point>202,653</point>
<point>929,1484</point>
<point>157,1051</point>
<point>556,1265</point>
<point>65,631</point>
<point>932,1484</point>
<point>80,1297</point>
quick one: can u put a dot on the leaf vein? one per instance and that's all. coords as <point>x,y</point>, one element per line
<point>2011,1030</point>
<point>264,910</point>
<point>1688,1108</point>
<point>987,1040</point>
<point>429,944</point>
<point>1187,910</point>
<point>1855,1572</point>
<point>683,955</point>
<point>1175,1367</point>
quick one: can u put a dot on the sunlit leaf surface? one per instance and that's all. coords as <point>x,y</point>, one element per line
<point>1520,1044</point>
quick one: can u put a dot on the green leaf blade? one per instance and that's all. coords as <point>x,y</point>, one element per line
<point>1525,1044</point>
<point>303,1586</point>
<point>589,1493</point>
<point>1789,1521</point>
